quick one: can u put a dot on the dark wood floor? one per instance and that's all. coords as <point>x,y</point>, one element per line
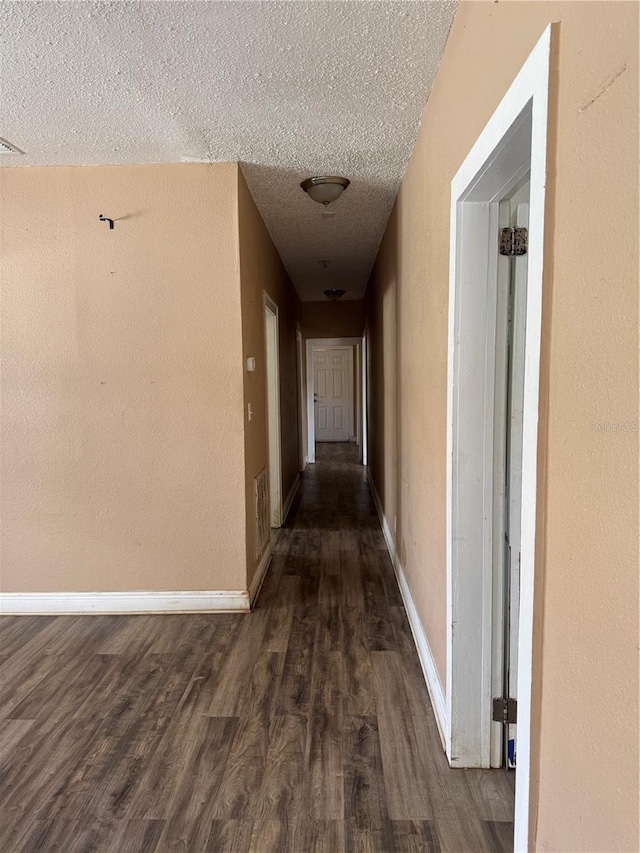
<point>304,726</point>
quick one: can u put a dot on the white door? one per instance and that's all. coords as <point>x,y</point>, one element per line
<point>332,385</point>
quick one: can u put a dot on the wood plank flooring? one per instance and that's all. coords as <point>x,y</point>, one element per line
<point>304,726</point>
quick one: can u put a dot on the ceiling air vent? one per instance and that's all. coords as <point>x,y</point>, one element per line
<point>8,148</point>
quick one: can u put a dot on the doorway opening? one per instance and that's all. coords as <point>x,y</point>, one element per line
<point>302,406</point>
<point>271,337</point>
<point>334,393</point>
<point>364,408</point>
<point>510,341</point>
<point>495,303</point>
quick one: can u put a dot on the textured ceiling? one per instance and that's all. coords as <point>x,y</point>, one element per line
<point>290,89</point>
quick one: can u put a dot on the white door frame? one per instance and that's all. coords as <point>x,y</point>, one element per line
<point>364,437</point>
<point>514,140</point>
<point>302,407</point>
<point>272,387</point>
<point>319,343</point>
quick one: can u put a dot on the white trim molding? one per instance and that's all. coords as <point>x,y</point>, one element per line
<point>274,431</point>
<point>258,579</point>
<point>495,161</point>
<point>293,491</point>
<point>427,662</point>
<point>129,603</point>
<point>302,403</point>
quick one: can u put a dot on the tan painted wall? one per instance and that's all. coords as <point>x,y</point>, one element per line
<point>384,374</point>
<point>585,773</point>
<point>262,270</point>
<point>121,380</point>
<point>333,319</point>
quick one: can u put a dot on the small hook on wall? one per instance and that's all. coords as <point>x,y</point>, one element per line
<point>106,219</point>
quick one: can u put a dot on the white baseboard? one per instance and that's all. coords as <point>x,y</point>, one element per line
<point>292,493</point>
<point>76,603</point>
<point>434,686</point>
<point>260,575</point>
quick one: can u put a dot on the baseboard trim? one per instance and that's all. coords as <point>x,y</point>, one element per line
<point>430,672</point>
<point>293,491</point>
<point>98,603</point>
<point>260,575</point>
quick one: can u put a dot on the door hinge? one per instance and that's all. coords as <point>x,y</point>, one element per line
<point>505,711</point>
<point>514,241</point>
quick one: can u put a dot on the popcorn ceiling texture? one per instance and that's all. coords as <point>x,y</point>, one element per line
<point>289,89</point>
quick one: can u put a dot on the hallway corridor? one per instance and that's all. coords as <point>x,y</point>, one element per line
<point>304,726</point>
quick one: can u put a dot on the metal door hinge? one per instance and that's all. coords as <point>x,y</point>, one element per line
<point>513,241</point>
<point>505,711</point>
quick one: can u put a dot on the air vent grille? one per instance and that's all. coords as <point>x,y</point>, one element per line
<point>8,148</point>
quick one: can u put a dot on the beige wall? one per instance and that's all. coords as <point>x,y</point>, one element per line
<point>333,319</point>
<point>585,758</point>
<point>262,270</point>
<point>121,380</point>
<point>383,410</point>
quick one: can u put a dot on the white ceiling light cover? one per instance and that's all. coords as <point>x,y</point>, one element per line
<point>325,189</point>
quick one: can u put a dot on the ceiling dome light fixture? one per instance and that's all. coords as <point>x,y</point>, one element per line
<point>334,294</point>
<point>325,188</point>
